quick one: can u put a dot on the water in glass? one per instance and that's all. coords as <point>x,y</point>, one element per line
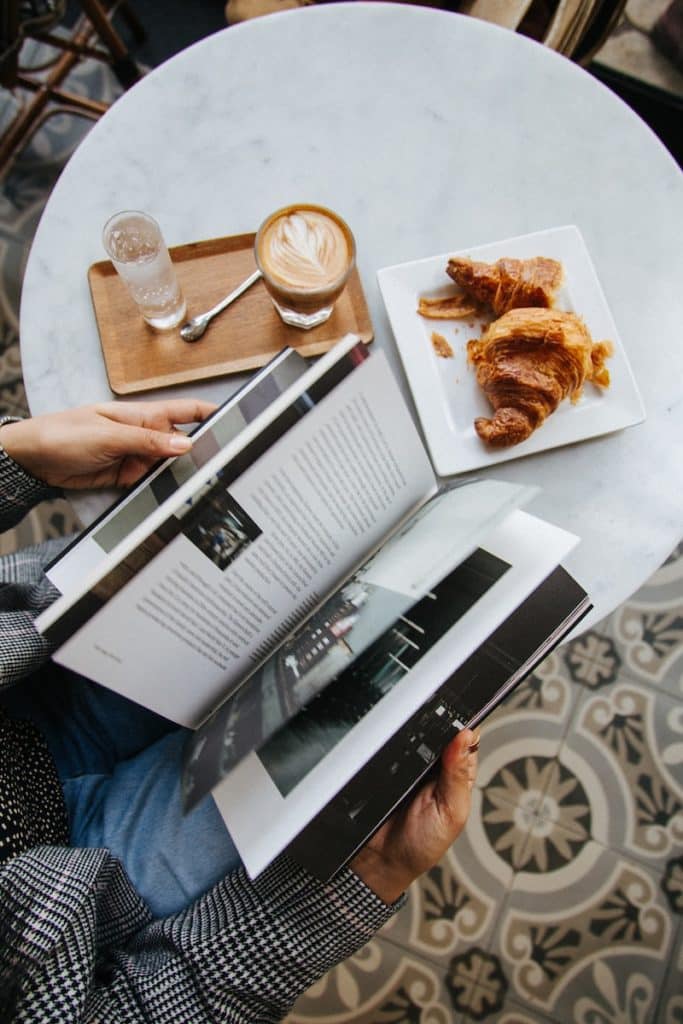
<point>136,247</point>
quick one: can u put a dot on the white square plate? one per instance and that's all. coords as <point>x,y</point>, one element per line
<point>445,390</point>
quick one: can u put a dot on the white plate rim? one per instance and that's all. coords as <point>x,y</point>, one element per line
<point>456,450</point>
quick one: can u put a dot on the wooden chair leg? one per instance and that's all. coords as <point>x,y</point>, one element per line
<point>45,91</point>
<point>132,21</point>
<point>122,64</point>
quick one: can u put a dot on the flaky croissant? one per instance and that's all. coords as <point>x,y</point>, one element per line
<point>508,283</point>
<point>527,362</point>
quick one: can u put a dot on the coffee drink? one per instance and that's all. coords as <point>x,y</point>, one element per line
<point>305,254</point>
<point>304,250</point>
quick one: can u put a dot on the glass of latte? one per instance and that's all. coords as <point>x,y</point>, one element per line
<point>305,253</point>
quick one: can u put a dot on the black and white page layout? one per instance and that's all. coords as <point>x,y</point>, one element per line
<point>296,773</point>
<point>91,547</point>
<point>250,555</point>
<point>466,698</point>
<point>374,600</point>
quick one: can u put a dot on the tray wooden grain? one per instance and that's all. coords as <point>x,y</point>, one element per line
<point>242,337</point>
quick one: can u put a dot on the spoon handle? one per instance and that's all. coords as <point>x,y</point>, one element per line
<point>241,288</point>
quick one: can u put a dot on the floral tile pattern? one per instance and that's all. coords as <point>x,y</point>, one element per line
<point>648,629</point>
<point>456,905</point>
<point>670,1009</point>
<point>562,901</point>
<point>554,806</point>
<point>512,1013</point>
<point>606,936</point>
<point>548,691</point>
<point>593,659</point>
<point>477,982</point>
<point>385,985</point>
<point>633,739</point>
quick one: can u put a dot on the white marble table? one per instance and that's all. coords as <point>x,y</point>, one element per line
<point>429,132</point>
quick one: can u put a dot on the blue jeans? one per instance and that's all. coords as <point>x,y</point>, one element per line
<point>120,770</point>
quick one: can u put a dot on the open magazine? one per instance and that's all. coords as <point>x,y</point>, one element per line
<point>297,589</point>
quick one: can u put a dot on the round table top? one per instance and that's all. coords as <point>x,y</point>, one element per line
<point>429,132</point>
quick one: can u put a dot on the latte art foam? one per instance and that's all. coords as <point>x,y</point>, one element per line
<point>304,250</point>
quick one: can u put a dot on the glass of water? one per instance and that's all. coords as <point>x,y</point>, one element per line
<point>136,247</point>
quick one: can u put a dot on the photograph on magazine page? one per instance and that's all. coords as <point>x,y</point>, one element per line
<point>297,748</point>
<point>349,654</point>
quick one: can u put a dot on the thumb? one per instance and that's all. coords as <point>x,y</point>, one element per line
<point>147,443</point>
<point>453,784</point>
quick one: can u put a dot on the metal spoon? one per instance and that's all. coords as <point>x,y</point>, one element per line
<point>194,328</point>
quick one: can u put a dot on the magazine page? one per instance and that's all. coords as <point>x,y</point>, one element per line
<point>476,687</point>
<point>245,560</point>
<point>91,547</point>
<point>425,548</point>
<point>138,547</point>
<point>296,773</point>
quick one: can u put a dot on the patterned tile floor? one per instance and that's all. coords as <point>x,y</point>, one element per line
<point>562,901</point>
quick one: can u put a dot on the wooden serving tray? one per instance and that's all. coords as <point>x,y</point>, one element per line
<point>243,337</point>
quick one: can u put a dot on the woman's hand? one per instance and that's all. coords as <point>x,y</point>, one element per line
<point>104,445</point>
<point>416,837</point>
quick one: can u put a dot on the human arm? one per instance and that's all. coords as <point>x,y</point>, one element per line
<point>242,953</point>
<point>25,591</point>
<point>84,949</point>
<point>104,445</point>
<point>19,490</point>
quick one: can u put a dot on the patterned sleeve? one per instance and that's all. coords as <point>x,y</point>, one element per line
<point>80,945</point>
<point>84,950</point>
<point>25,591</point>
<point>19,491</point>
<point>247,950</point>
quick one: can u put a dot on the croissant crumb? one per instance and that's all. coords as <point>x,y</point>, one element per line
<point>441,346</point>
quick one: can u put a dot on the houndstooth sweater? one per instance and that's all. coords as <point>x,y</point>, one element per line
<point>77,943</point>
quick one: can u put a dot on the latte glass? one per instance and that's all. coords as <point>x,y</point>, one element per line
<point>305,253</point>
<point>136,247</point>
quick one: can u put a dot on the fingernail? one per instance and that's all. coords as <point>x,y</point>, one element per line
<point>179,443</point>
<point>469,740</point>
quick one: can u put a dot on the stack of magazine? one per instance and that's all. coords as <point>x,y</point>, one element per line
<point>302,593</point>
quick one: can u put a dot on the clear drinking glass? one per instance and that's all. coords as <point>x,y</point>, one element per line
<point>136,247</point>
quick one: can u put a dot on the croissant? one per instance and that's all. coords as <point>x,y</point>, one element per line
<point>527,362</point>
<point>508,283</point>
